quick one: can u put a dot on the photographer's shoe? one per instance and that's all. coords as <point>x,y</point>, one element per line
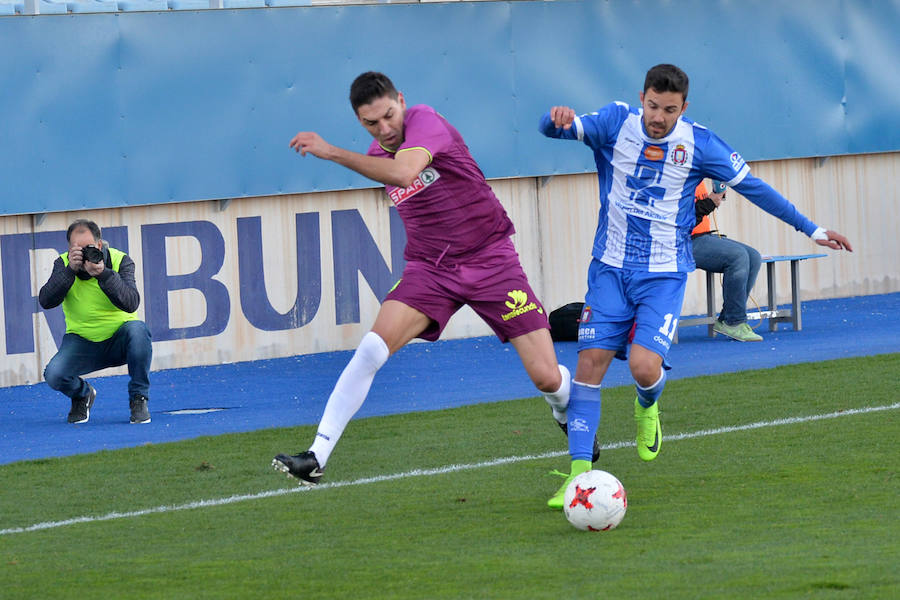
<point>303,466</point>
<point>81,407</point>
<point>139,411</point>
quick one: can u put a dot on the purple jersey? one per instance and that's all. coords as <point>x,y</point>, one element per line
<point>449,211</point>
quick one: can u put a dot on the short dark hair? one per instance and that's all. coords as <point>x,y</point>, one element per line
<point>667,78</point>
<point>83,224</point>
<point>370,86</point>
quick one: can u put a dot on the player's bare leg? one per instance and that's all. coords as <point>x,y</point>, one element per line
<point>539,359</point>
<point>398,324</point>
<point>395,325</point>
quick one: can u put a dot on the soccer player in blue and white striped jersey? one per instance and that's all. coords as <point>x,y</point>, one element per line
<point>649,162</point>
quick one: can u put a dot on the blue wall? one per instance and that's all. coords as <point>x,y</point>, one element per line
<point>145,108</point>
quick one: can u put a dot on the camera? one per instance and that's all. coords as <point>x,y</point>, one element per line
<point>92,254</point>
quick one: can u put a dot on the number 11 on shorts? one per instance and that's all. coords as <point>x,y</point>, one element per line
<point>668,328</point>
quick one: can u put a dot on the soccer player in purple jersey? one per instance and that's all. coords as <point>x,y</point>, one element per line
<point>649,162</point>
<point>458,252</point>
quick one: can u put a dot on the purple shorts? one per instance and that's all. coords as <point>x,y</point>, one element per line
<point>492,282</point>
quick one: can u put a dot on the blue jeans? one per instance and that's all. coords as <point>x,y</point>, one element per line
<point>130,345</point>
<point>739,265</point>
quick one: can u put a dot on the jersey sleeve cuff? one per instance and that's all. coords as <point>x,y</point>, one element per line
<point>579,129</point>
<point>745,170</point>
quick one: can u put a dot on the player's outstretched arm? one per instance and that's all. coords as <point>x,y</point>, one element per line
<point>400,171</point>
<point>311,142</point>
<point>835,241</point>
<point>767,198</point>
<point>557,123</point>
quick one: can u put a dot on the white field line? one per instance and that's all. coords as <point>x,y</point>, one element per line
<point>429,472</point>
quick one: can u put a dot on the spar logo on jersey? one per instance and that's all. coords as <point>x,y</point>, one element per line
<point>737,162</point>
<point>519,305</point>
<point>425,178</point>
<point>654,153</point>
<point>679,155</point>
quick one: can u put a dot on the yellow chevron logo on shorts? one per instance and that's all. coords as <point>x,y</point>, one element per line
<point>517,304</point>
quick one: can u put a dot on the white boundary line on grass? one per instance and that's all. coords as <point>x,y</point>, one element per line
<point>428,472</point>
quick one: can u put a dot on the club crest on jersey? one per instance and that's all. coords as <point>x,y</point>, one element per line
<point>585,332</point>
<point>425,178</point>
<point>654,153</point>
<point>737,161</point>
<point>585,314</point>
<point>679,155</point>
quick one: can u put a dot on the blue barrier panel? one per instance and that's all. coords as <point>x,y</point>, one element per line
<point>147,108</point>
<point>92,6</point>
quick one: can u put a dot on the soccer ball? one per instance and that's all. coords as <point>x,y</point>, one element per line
<point>595,501</point>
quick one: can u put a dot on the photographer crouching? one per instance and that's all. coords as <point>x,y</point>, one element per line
<point>95,285</point>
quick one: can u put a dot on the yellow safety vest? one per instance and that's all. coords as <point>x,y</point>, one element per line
<point>89,311</point>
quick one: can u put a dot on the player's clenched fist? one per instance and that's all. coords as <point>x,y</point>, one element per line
<point>562,116</point>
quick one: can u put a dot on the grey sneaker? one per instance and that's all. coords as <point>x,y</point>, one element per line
<point>139,412</point>
<point>740,332</point>
<point>81,407</point>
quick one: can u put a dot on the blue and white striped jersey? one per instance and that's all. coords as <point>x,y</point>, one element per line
<point>647,186</point>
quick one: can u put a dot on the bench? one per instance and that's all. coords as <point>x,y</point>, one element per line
<point>774,314</point>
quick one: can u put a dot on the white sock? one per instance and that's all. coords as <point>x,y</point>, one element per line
<point>349,393</point>
<point>559,399</point>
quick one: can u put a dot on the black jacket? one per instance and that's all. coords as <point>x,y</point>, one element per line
<point>118,286</point>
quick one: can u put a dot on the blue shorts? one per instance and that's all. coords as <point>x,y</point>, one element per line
<point>619,299</point>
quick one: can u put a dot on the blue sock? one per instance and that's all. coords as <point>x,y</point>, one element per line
<point>647,396</point>
<point>583,416</point>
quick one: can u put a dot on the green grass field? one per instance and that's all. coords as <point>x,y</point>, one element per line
<point>417,505</point>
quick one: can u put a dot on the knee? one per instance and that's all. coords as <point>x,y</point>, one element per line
<point>645,372</point>
<point>592,365</point>
<point>53,375</point>
<point>754,259</point>
<point>136,331</point>
<point>137,337</point>
<point>548,379</point>
<point>754,254</point>
<point>741,261</point>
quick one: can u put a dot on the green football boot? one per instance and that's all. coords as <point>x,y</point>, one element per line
<point>578,467</point>
<point>649,433</point>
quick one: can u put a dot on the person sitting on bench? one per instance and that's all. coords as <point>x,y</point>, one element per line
<point>738,263</point>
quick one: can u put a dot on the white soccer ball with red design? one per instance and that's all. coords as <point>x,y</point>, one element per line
<point>595,501</point>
